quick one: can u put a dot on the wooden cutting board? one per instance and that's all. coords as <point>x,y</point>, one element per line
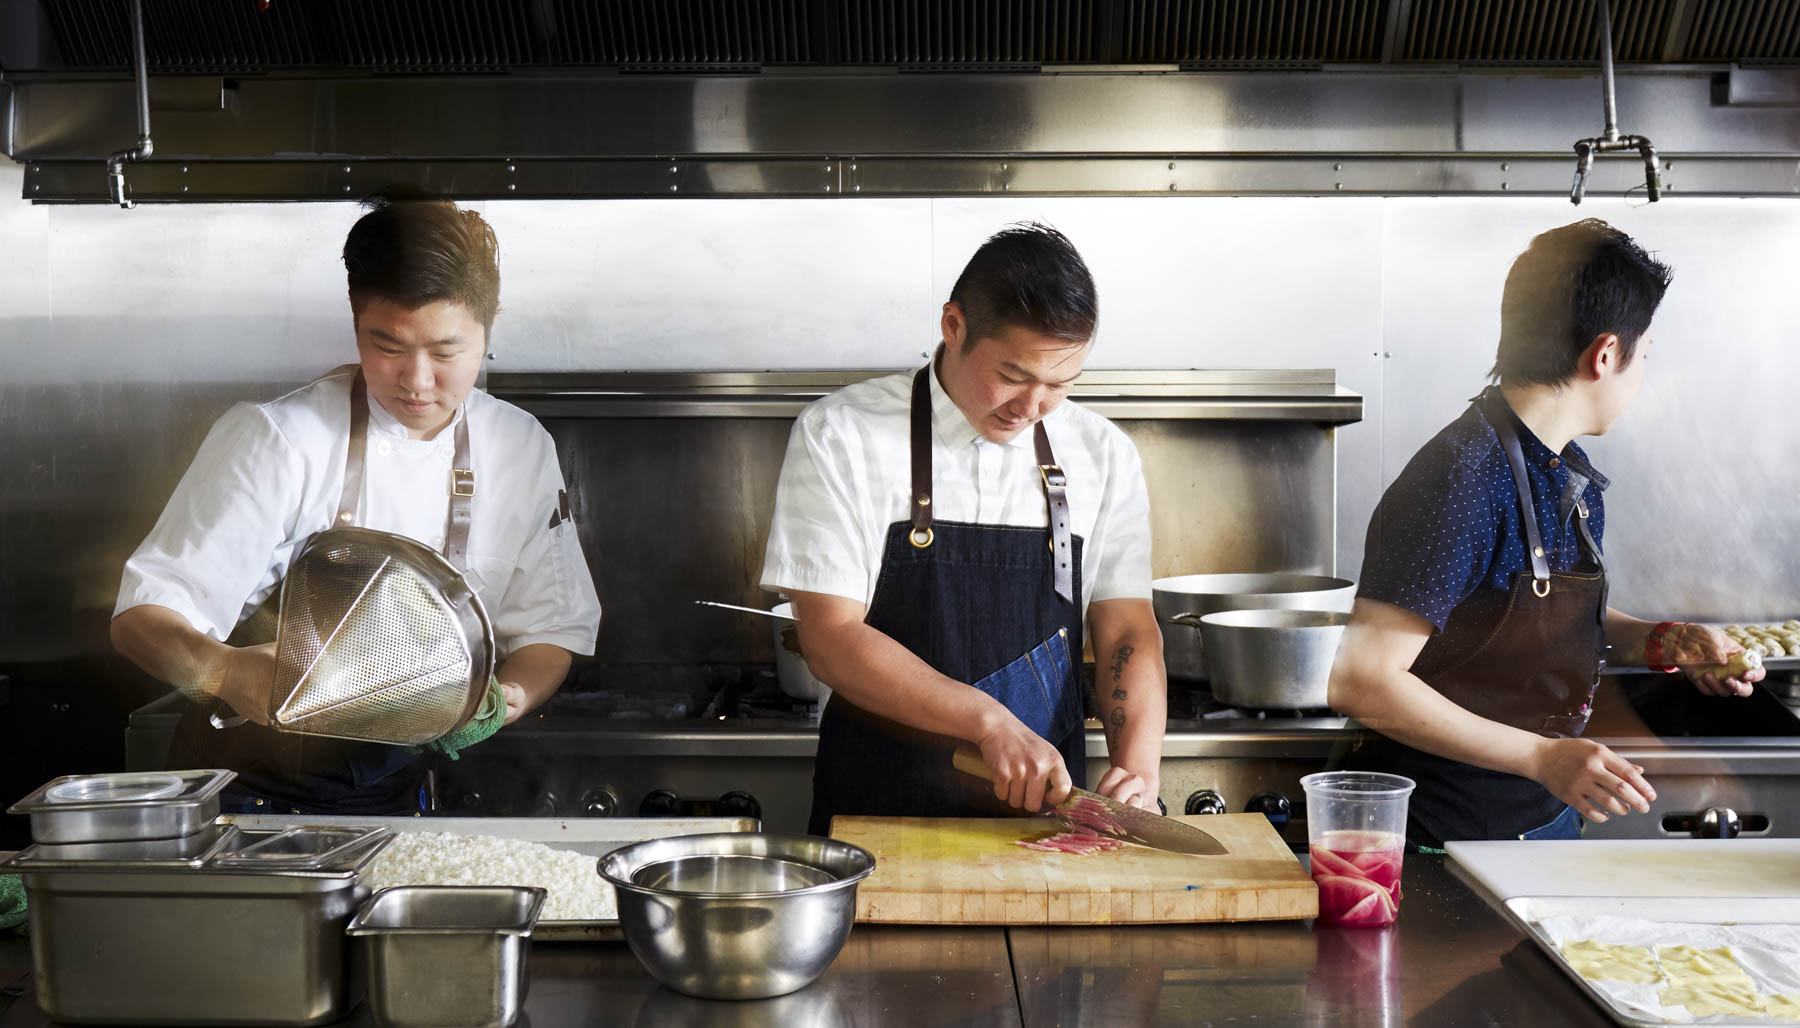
<point>970,871</point>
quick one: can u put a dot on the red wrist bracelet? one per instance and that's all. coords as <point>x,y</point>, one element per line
<point>1653,647</point>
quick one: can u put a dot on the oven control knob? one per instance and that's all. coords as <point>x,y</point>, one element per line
<point>738,804</point>
<point>1206,801</point>
<point>659,803</point>
<point>1271,805</point>
<point>1719,823</point>
<point>599,803</point>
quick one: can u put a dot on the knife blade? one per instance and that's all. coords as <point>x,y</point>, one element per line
<point>1135,824</point>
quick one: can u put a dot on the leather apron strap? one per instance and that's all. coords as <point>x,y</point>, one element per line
<point>462,498</point>
<point>1056,495</point>
<point>355,453</point>
<point>1534,540</point>
<point>462,479</point>
<point>1055,484</point>
<point>921,535</point>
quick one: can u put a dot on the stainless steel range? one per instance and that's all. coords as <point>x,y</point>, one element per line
<point>732,744</point>
<point>1720,766</point>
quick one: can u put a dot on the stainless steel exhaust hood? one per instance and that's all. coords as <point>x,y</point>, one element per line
<point>332,99</point>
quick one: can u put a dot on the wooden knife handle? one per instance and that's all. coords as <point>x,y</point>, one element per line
<point>968,760</point>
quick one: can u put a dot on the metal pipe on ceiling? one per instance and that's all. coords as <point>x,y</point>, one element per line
<point>1609,140</point>
<point>141,151</point>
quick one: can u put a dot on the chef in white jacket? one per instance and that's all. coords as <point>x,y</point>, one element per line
<point>424,291</point>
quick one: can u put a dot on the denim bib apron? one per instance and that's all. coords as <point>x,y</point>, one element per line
<point>1529,658</point>
<point>284,773</point>
<point>994,605</point>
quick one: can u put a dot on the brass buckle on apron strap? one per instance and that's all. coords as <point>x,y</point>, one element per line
<point>921,534</point>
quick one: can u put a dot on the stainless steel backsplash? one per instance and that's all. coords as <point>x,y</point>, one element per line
<point>673,510</point>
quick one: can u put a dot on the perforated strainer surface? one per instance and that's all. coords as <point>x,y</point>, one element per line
<point>370,646</point>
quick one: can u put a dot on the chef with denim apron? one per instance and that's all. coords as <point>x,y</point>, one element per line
<point>950,536</point>
<point>402,442</point>
<point>1481,623</point>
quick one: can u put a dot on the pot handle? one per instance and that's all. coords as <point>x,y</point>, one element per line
<point>1187,618</point>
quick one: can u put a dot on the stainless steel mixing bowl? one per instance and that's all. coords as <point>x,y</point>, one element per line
<point>736,915</point>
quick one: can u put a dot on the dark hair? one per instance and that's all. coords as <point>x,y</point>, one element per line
<point>1028,275</point>
<point>1570,285</point>
<point>416,251</point>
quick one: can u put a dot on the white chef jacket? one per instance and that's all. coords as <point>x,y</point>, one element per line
<point>270,475</point>
<point>847,477</point>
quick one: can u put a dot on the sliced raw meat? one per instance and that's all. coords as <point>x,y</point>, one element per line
<point>1092,830</point>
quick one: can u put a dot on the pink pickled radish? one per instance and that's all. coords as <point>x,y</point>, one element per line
<point>1358,874</point>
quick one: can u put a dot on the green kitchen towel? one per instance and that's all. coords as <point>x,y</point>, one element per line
<point>12,902</point>
<point>486,722</point>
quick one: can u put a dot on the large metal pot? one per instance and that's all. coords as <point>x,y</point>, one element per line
<point>1270,659</point>
<point>1184,653</point>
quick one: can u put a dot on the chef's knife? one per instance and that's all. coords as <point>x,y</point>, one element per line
<point>1139,825</point>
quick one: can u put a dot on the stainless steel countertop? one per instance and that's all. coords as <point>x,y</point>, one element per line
<point>916,976</point>
<point>1451,960</point>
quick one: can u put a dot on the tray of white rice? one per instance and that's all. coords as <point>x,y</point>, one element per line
<point>556,854</point>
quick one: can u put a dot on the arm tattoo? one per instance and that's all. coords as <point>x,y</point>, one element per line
<point>1115,721</point>
<point>1121,657</point>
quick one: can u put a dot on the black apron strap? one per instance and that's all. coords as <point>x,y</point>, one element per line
<point>1588,545</point>
<point>1593,555</point>
<point>1534,540</point>
<point>1057,496</point>
<point>462,478</point>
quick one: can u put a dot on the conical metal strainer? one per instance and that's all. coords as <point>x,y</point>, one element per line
<point>380,639</point>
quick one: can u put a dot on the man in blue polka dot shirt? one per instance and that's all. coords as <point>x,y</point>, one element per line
<point>1475,644</point>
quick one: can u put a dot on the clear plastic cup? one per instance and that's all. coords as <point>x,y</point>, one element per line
<point>1356,830</point>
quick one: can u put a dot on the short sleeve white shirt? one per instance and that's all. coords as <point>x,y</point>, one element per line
<point>847,477</point>
<point>270,475</point>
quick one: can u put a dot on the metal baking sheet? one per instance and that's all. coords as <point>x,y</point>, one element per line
<point>595,837</point>
<point>1772,664</point>
<point>1528,912</point>
<point>1787,663</point>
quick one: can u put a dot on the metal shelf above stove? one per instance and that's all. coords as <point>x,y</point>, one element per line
<point>1213,394</point>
